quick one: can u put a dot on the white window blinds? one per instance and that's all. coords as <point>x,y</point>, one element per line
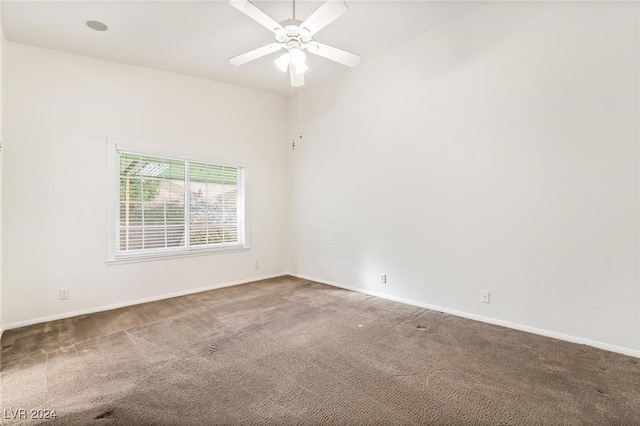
<point>175,205</point>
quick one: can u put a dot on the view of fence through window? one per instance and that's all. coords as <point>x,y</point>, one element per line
<point>155,193</point>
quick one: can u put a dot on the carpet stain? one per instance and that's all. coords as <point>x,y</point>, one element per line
<point>106,415</point>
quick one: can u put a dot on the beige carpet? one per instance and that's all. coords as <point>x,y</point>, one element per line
<point>288,351</point>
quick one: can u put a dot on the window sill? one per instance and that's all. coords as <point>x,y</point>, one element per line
<point>149,257</point>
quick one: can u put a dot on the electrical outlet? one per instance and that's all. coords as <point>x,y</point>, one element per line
<point>383,278</point>
<point>257,265</point>
<point>485,296</point>
<point>64,293</point>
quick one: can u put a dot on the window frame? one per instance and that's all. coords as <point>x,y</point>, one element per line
<point>115,256</point>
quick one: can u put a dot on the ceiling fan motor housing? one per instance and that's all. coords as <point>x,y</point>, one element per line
<point>293,36</point>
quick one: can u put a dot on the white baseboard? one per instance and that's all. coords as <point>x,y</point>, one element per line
<point>130,303</point>
<point>539,331</point>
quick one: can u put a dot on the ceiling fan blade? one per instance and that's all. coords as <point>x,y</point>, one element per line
<point>297,79</point>
<point>338,55</point>
<point>254,54</point>
<point>326,14</point>
<point>256,14</point>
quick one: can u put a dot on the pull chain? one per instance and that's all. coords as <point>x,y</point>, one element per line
<point>293,117</point>
<point>300,112</point>
<point>296,124</point>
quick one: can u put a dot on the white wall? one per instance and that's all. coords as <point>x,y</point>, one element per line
<point>62,106</point>
<point>497,152</point>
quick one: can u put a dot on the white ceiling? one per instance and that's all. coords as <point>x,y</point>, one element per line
<point>197,37</point>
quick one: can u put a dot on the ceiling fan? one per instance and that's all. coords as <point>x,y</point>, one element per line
<point>295,37</point>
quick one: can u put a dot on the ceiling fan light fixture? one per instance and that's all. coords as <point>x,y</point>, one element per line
<point>283,62</point>
<point>300,68</point>
<point>297,57</point>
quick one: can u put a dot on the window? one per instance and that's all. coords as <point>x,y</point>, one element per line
<point>169,205</point>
